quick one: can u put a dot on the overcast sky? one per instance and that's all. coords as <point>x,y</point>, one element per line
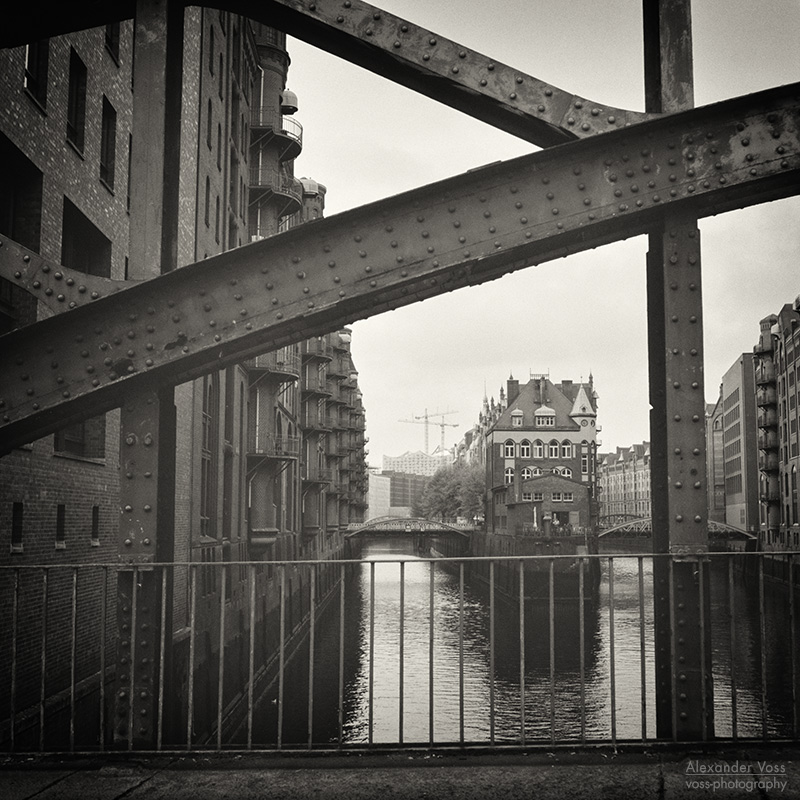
<point>366,138</point>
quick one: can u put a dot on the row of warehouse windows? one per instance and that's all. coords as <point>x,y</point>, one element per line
<point>534,472</point>
<point>538,449</point>
<point>18,527</point>
<point>501,498</point>
<point>37,57</point>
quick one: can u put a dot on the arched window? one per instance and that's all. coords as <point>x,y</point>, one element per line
<point>527,472</point>
<point>536,471</point>
<point>538,449</point>
<point>566,472</point>
<point>566,449</point>
<point>508,475</point>
<point>525,449</point>
<point>553,449</point>
<point>508,449</point>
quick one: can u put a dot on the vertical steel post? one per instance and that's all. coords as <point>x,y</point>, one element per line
<point>147,421</point>
<point>677,421</point>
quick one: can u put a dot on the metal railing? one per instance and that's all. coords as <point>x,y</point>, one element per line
<point>507,652</point>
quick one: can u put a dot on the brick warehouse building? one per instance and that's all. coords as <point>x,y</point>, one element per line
<point>541,459</point>
<point>270,453</point>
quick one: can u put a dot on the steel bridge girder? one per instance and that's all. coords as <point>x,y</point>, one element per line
<point>461,231</point>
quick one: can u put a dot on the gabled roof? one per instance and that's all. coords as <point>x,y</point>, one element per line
<point>541,396</point>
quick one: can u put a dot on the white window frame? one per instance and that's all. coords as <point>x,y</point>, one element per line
<point>538,497</point>
<point>538,449</point>
<point>508,449</point>
<point>525,449</point>
<point>553,449</point>
<point>556,497</point>
<point>508,475</point>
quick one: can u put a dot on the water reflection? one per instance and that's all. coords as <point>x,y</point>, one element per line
<point>591,683</point>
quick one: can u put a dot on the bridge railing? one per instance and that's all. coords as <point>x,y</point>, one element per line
<point>566,654</point>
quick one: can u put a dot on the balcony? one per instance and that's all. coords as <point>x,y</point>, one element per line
<point>313,421</point>
<point>268,445</point>
<point>768,462</point>
<point>315,383</point>
<point>767,417</point>
<point>283,364</point>
<point>317,348</point>
<point>765,372</point>
<point>287,132</point>
<point>768,440</point>
<point>766,395</point>
<point>311,473</point>
<point>267,184</point>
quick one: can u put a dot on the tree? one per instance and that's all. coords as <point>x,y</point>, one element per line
<point>454,491</point>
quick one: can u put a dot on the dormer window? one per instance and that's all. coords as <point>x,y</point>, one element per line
<point>516,418</point>
<point>545,417</point>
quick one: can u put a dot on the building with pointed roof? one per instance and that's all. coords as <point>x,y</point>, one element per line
<point>541,454</point>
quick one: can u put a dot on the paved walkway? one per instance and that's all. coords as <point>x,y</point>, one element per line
<point>563,774</point>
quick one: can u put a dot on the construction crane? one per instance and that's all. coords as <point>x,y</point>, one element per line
<point>425,419</point>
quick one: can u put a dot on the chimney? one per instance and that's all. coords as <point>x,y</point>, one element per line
<point>512,389</point>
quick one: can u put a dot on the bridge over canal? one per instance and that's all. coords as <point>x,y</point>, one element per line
<point>428,537</point>
<point>631,534</point>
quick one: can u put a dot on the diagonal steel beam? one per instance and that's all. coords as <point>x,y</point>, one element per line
<point>444,70</point>
<point>396,49</point>
<point>465,230</point>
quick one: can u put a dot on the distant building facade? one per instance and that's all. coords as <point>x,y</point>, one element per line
<point>417,462</point>
<point>624,478</point>
<point>378,498</point>
<point>777,378</point>
<point>541,456</point>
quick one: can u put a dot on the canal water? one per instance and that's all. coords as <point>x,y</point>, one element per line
<point>577,691</point>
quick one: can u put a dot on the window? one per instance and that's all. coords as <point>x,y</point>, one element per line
<point>553,450</point>
<point>568,497</point>
<point>566,472</point>
<point>538,449</point>
<point>516,419</point>
<point>556,497</point>
<point>537,471</point>
<point>538,497</point>
<point>566,450</point>
<point>95,526</point>
<point>37,56</point>
<point>508,475</point>
<point>17,518</point>
<point>112,40</point>
<point>546,421</point>
<point>525,449</point>
<point>76,107</point>
<point>61,519</point>
<point>508,449</point>
<point>83,246</point>
<point>585,464</point>
<point>108,144</point>
<point>527,496</point>
<point>526,473</point>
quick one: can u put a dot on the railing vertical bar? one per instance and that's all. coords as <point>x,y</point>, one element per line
<point>491,653</point>
<point>522,651</point>
<point>134,654</point>
<point>192,643</point>
<point>702,565</point>
<point>732,621</point>
<point>281,651</point>
<point>371,646</point>
<point>793,640</point>
<point>312,619</point>
<point>13,698</point>
<point>611,653</point>
<point>402,653</point>
<point>221,658</point>
<point>43,680</point>
<point>341,654</point>
<point>762,633</point>
<point>551,623</point>
<point>103,623</point>
<point>673,653</point>
<point>461,652</point>
<point>431,576</point>
<point>73,658</point>
<point>251,655</point>
<point>162,642</point>
<point>582,645</point>
<point>642,647</point>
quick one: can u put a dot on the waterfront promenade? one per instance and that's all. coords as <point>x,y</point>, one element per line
<point>658,774</point>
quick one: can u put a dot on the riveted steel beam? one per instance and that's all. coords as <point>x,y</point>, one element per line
<point>462,231</point>
<point>444,70</point>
